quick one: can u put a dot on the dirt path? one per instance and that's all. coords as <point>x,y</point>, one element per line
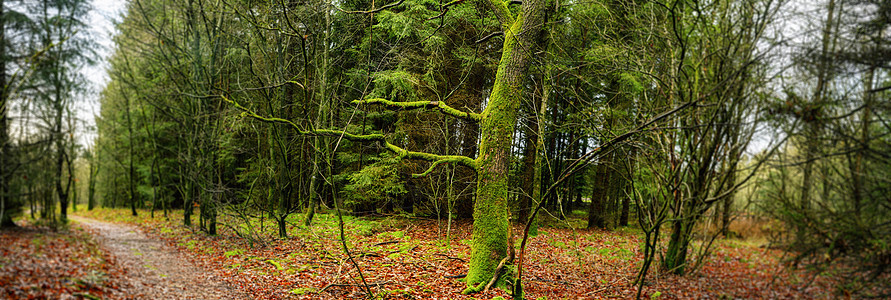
<point>155,270</point>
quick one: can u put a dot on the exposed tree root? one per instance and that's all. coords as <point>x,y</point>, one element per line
<point>497,274</point>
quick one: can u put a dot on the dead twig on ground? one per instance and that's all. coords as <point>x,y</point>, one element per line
<point>352,284</point>
<point>450,257</point>
<point>385,243</point>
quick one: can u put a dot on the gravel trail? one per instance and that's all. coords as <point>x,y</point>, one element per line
<point>157,271</point>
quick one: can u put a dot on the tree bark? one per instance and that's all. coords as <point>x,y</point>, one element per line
<point>131,169</point>
<point>530,156</point>
<point>676,255</point>
<point>596,209</point>
<point>5,163</point>
<point>490,214</point>
<point>91,188</point>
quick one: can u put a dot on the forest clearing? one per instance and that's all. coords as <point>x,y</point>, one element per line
<point>445,149</point>
<point>400,259</point>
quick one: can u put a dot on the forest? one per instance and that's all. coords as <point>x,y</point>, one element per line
<point>446,149</point>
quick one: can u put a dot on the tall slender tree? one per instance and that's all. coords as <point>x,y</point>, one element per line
<point>60,29</point>
<point>6,205</point>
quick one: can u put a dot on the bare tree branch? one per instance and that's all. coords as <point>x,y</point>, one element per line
<point>491,35</point>
<point>876,90</point>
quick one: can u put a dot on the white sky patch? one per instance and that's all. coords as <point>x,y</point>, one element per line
<point>102,18</point>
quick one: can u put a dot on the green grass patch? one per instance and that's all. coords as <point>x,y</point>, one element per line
<point>303,291</point>
<point>392,234</point>
<point>614,253</point>
<point>189,245</point>
<point>278,266</point>
<point>232,253</point>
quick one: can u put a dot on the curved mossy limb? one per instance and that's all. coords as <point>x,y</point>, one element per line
<point>442,106</point>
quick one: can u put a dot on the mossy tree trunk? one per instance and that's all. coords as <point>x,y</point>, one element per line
<point>490,212</point>
<point>676,254</point>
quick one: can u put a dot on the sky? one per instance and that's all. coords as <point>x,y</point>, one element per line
<point>102,19</point>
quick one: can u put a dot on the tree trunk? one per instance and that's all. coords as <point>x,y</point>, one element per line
<point>857,167</point>
<point>313,182</point>
<point>31,199</point>
<point>530,156</point>
<point>187,191</point>
<point>5,163</point>
<point>617,186</point>
<point>91,188</point>
<point>74,196</point>
<point>490,213</point>
<point>626,207</point>
<point>811,124</point>
<point>628,166</point>
<point>61,192</point>
<point>132,170</point>
<point>321,117</point>
<point>152,181</point>
<point>540,135</point>
<point>727,203</point>
<point>597,207</point>
<point>676,256</point>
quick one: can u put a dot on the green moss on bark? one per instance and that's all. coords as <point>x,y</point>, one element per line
<point>490,213</point>
<point>676,255</point>
<point>490,229</point>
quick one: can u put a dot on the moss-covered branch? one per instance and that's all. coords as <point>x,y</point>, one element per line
<point>400,152</point>
<point>461,160</point>
<point>444,108</point>
<point>435,158</point>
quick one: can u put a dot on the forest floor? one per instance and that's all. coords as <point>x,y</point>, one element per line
<point>91,259</point>
<point>403,258</point>
<point>40,263</point>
